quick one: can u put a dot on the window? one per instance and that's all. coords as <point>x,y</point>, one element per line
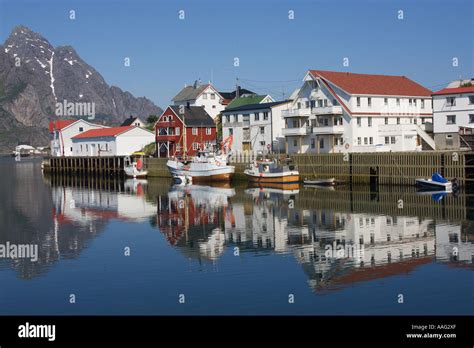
<point>334,102</point>
<point>449,140</point>
<point>410,102</point>
<point>386,120</point>
<point>107,147</point>
<point>371,141</point>
<point>398,120</point>
<point>213,96</point>
<point>306,104</point>
<point>387,140</point>
<point>451,119</point>
<point>313,103</point>
<point>359,141</point>
<point>204,96</point>
<point>87,147</point>
<point>358,101</point>
<point>422,101</point>
<point>325,122</point>
<point>177,131</point>
<point>81,129</point>
<point>262,130</point>
<point>213,106</point>
<point>320,103</point>
<point>338,121</point>
<point>321,143</point>
<point>298,105</point>
<point>398,101</point>
<point>414,102</point>
<point>208,131</point>
<point>369,102</point>
<point>366,141</point>
<point>295,142</point>
<point>359,122</point>
<point>393,140</point>
<point>195,131</point>
<point>71,148</point>
<point>257,116</point>
<point>325,102</point>
<point>265,115</point>
<point>471,118</point>
<point>451,101</point>
<point>313,143</point>
<point>471,99</point>
<point>231,131</point>
<point>262,143</point>
<point>227,118</point>
<point>81,147</point>
<point>195,146</point>
<point>369,120</point>
<point>385,101</point>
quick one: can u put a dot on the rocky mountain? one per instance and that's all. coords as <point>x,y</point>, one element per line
<point>36,77</point>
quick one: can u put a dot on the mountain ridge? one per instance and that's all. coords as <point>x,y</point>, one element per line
<point>35,76</point>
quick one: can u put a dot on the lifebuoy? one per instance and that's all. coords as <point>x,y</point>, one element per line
<point>139,164</point>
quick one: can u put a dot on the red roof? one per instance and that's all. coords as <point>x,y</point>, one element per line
<point>373,84</point>
<point>456,90</point>
<point>103,132</point>
<point>59,124</point>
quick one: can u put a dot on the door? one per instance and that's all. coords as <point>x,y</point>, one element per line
<point>246,147</point>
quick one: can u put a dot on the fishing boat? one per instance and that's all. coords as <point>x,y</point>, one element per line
<point>133,166</point>
<point>436,183</point>
<point>320,182</point>
<point>272,172</point>
<point>207,166</point>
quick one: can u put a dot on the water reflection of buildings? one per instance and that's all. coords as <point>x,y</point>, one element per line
<point>191,218</point>
<point>339,248</point>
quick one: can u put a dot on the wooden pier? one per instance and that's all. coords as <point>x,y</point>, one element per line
<point>97,166</point>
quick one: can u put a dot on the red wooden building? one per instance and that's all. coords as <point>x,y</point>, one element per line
<point>200,131</point>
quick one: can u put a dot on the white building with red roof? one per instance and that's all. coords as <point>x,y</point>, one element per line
<point>62,131</point>
<point>453,113</point>
<point>346,112</point>
<point>114,141</point>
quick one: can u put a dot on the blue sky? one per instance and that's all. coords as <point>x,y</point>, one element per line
<point>274,52</point>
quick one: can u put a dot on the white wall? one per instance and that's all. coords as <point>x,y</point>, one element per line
<point>462,109</point>
<point>121,145</point>
<point>64,137</point>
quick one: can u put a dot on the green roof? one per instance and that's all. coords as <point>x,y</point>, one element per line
<point>251,99</point>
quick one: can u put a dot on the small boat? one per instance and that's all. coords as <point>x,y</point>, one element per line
<point>272,172</point>
<point>133,166</point>
<point>436,183</point>
<point>320,182</point>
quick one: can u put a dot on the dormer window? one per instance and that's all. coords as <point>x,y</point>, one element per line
<point>81,129</point>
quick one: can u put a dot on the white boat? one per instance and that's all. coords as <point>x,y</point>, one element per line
<point>320,182</point>
<point>134,167</point>
<point>203,168</point>
<point>436,182</point>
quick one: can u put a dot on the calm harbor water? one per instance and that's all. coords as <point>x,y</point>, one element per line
<point>138,246</point>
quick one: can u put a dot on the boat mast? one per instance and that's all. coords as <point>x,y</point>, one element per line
<point>184,135</point>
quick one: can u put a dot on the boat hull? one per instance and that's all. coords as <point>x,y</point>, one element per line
<point>425,184</point>
<point>210,174</point>
<point>283,178</point>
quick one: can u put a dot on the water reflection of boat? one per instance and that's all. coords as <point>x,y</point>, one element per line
<point>277,186</point>
<point>320,182</point>
<point>256,191</point>
<point>191,218</point>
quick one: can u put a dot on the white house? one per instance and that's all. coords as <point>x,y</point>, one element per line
<point>255,127</point>
<point>62,131</point>
<point>134,121</point>
<point>201,95</point>
<point>347,112</point>
<point>453,114</point>
<point>115,141</point>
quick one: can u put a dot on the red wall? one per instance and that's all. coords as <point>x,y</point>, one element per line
<point>200,138</point>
